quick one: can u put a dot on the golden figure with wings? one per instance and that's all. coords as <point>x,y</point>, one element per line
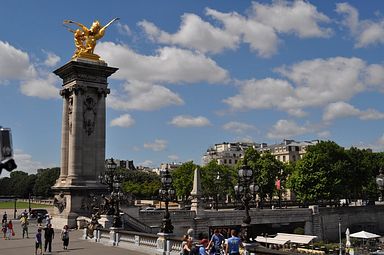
<point>86,38</point>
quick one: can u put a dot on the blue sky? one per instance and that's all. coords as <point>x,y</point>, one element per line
<point>195,73</point>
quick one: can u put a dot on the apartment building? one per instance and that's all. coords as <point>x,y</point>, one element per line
<point>230,153</point>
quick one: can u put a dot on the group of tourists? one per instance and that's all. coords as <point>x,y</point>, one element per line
<point>217,245</point>
<point>7,227</point>
<point>45,232</point>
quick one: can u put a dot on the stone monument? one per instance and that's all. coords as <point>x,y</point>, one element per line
<point>84,91</point>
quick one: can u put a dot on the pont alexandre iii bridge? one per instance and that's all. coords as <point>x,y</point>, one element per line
<point>322,222</point>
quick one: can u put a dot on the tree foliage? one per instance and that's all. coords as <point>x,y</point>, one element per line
<point>142,185</point>
<point>183,179</point>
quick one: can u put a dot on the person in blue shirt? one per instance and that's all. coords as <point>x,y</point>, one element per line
<point>203,247</point>
<point>217,241</point>
<point>233,244</point>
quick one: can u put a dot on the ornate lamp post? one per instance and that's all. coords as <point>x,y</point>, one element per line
<point>113,180</point>
<point>218,190</point>
<point>245,191</point>
<point>380,183</point>
<point>167,194</point>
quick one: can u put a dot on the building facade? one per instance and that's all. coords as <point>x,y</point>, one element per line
<point>230,153</point>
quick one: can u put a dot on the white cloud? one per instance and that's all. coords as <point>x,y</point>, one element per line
<point>142,96</point>
<point>261,38</point>
<point>261,94</point>
<point>342,109</point>
<point>52,59</point>
<point>238,127</point>
<point>287,129</point>
<point>158,145</point>
<point>146,163</point>
<point>189,121</point>
<point>123,29</point>
<point>297,17</point>
<point>310,83</point>
<point>380,141</point>
<point>25,162</point>
<point>259,28</point>
<point>194,33</point>
<point>169,65</point>
<point>43,87</point>
<point>173,157</point>
<point>124,121</point>
<point>365,32</point>
<point>14,63</point>
<point>339,110</point>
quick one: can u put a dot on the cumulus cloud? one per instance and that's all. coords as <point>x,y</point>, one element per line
<point>169,65</point>
<point>189,121</point>
<point>26,163</point>
<point>342,109</point>
<point>14,63</point>
<point>287,129</point>
<point>238,127</point>
<point>142,96</point>
<point>157,145</point>
<point>124,121</point>
<point>41,87</point>
<point>259,28</point>
<point>123,29</point>
<point>52,59</point>
<point>193,33</point>
<point>365,32</point>
<point>296,17</point>
<point>310,83</point>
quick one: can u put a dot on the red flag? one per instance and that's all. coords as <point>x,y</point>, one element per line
<point>277,183</point>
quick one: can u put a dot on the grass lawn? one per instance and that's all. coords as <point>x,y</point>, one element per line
<point>20,205</point>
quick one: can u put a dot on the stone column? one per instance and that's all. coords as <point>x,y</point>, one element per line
<point>84,90</point>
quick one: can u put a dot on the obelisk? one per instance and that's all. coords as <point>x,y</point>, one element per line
<point>84,91</point>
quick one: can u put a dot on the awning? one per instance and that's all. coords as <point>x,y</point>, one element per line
<point>299,239</point>
<point>364,235</point>
<point>270,240</point>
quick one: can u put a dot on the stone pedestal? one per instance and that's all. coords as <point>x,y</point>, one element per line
<point>82,138</point>
<point>163,244</point>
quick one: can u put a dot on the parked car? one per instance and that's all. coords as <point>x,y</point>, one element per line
<point>38,212</point>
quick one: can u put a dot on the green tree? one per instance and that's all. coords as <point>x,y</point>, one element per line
<point>320,174</point>
<point>183,179</point>
<point>141,184</point>
<point>45,179</point>
<point>216,180</point>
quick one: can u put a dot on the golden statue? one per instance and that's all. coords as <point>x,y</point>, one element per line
<point>85,39</point>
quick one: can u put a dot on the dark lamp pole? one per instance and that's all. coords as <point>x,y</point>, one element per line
<point>113,180</point>
<point>380,183</point>
<point>167,193</point>
<point>245,191</point>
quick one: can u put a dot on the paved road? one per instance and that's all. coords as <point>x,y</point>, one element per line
<point>19,246</point>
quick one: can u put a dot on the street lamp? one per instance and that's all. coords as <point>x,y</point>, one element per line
<point>167,194</point>
<point>380,183</point>
<point>218,189</point>
<point>113,180</point>
<point>245,191</point>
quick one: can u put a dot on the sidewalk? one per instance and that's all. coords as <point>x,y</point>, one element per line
<point>19,246</point>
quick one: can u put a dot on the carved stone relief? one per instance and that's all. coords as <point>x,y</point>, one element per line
<point>89,114</point>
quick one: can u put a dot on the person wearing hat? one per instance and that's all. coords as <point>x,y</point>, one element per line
<point>204,243</point>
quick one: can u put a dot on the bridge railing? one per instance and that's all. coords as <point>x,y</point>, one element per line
<point>131,240</point>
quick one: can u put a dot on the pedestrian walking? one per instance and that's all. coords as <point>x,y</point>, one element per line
<point>5,218</point>
<point>38,242</point>
<point>49,235</point>
<point>233,244</point>
<point>215,246</point>
<point>65,237</point>
<point>10,231</point>
<point>4,226</point>
<point>24,225</point>
<point>203,247</point>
